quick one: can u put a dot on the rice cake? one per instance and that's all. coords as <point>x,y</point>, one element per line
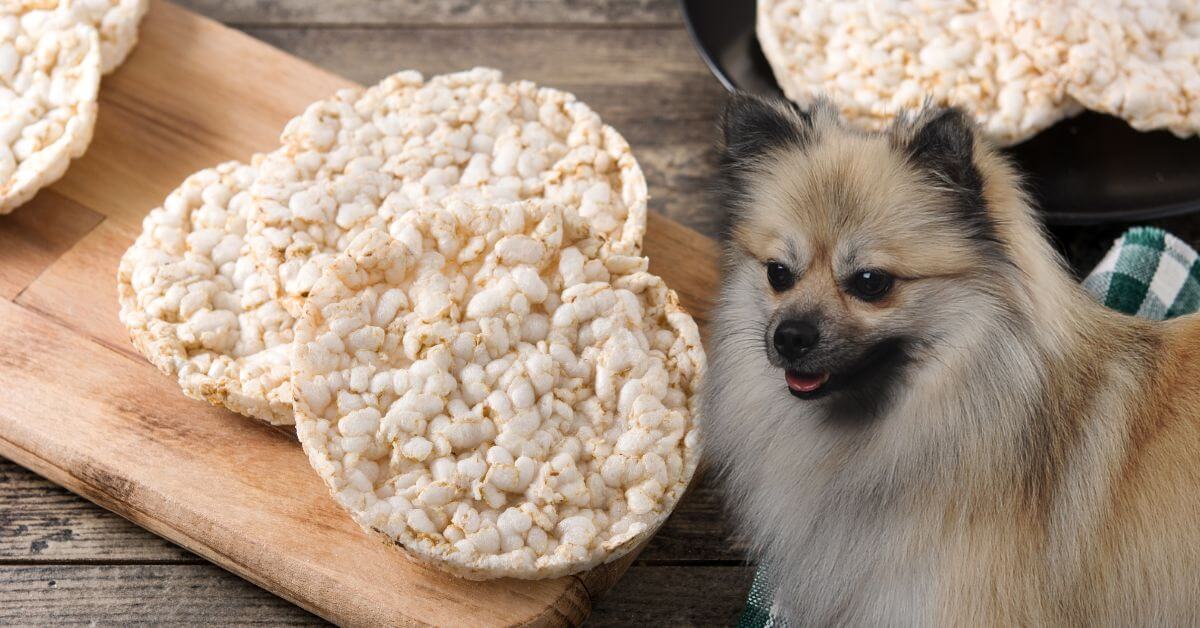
<point>364,157</point>
<point>1135,59</point>
<point>875,59</point>
<point>49,80</point>
<point>495,392</point>
<point>116,22</point>
<point>190,297</point>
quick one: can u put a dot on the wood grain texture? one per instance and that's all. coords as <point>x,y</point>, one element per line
<point>48,531</point>
<point>439,13</point>
<point>204,594</point>
<point>41,522</point>
<point>697,596</point>
<point>35,235</point>
<point>119,433</point>
<point>605,67</point>
<point>126,595</point>
<point>78,292</point>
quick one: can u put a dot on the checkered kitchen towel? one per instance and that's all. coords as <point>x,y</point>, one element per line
<point>1147,272</point>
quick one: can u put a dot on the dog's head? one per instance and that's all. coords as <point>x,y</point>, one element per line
<point>850,255</point>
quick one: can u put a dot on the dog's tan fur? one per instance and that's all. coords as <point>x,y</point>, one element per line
<point>1039,461</point>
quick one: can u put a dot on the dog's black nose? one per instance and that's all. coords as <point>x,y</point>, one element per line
<point>795,338</point>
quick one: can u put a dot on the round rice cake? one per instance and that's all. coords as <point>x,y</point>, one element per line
<point>1135,59</point>
<point>874,59</point>
<point>366,156</point>
<point>49,80</point>
<point>117,22</point>
<point>194,306</point>
<point>495,393</point>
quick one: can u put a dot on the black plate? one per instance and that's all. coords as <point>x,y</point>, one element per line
<point>1090,169</point>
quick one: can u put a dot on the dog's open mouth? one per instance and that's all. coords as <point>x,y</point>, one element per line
<point>806,385</point>
<point>867,377</point>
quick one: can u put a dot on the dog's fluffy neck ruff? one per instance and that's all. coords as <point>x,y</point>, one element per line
<point>827,494</point>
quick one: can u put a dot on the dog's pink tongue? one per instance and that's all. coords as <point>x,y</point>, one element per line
<point>804,382</point>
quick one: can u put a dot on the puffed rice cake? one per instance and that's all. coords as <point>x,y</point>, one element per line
<point>117,22</point>
<point>874,59</point>
<point>49,80</point>
<point>495,392</point>
<point>189,297</point>
<point>362,158</point>
<point>1135,59</point>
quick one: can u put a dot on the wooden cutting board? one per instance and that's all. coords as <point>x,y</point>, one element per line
<point>80,407</point>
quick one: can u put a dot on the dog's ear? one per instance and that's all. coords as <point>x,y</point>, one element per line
<point>943,143</point>
<point>752,126</point>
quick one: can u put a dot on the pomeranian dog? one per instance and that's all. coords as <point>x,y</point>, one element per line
<point>920,418</point>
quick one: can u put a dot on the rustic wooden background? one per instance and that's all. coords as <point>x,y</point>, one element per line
<point>63,559</point>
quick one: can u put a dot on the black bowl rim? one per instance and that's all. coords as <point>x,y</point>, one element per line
<point>713,67</point>
<point>1157,212</point>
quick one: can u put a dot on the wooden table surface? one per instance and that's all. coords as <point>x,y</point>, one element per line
<point>63,559</point>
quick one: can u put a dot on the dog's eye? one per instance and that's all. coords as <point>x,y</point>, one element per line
<point>869,285</point>
<point>780,277</point>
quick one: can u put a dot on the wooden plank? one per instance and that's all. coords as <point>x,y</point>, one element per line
<point>440,13</point>
<point>46,595</point>
<point>635,79</point>
<point>68,528</point>
<point>622,58</point>
<point>40,595</point>
<point>675,596</point>
<point>44,523</point>
<point>234,491</point>
<point>32,237</point>
<point>680,179</point>
<point>80,290</point>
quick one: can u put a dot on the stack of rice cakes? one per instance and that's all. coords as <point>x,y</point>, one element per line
<point>440,283</point>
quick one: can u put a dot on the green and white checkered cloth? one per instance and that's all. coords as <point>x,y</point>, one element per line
<point>1147,272</point>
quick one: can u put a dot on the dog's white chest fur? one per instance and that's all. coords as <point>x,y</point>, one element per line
<point>841,554</point>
